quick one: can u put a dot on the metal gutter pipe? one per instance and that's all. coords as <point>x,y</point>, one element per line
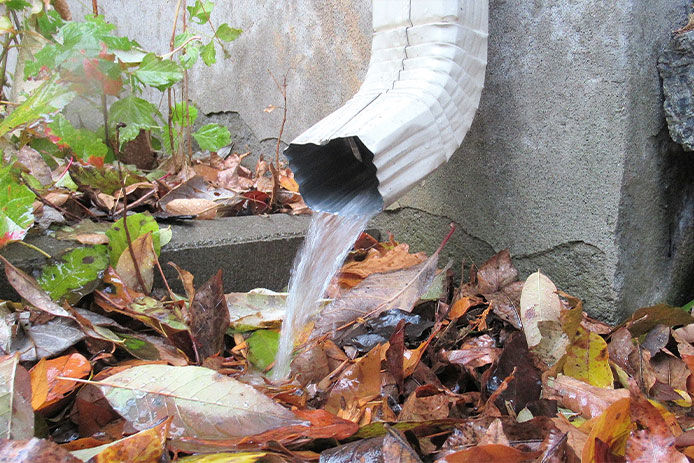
<point>417,102</point>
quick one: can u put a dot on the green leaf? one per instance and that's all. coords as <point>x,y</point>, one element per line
<point>16,4</point>
<point>49,97</point>
<point>200,12</point>
<point>137,114</point>
<point>83,143</point>
<point>49,22</point>
<point>191,55</point>
<point>212,137</point>
<point>208,53</point>
<point>184,114</point>
<point>16,208</point>
<point>76,274</point>
<point>228,33</point>
<point>5,24</point>
<point>138,225</point>
<point>157,72</point>
<point>262,347</point>
<point>103,179</point>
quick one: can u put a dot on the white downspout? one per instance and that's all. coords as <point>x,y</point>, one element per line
<point>417,102</point>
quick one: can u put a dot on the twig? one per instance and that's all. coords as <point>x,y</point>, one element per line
<point>137,202</point>
<point>161,272</point>
<point>138,274</point>
<point>275,170</point>
<point>104,101</point>
<point>47,202</point>
<point>180,47</point>
<point>31,246</point>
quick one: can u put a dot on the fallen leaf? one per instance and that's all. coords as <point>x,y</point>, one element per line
<point>645,319</point>
<point>587,359</point>
<point>208,318</point>
<point>538,302</point>
<point>589,401</point>
<point>258,308</point>
<point>205,209</point>
<point>204,404</point>
<point>38,340</point>
<point>30,290</point>
<point>490,453</point>
<point>47,388</point>
<point>262,347</point>
<point>76,274</point>
<point>496,273</point>
<point>653,440</point>
<point>34,450</point>
<point>146,446</point>
<point>226,457</point>
<point>138,225</point>
<point>474,353</point>
<point>378,261</point>
<point>16,414</point>
<point>393,447</point>
<point>35,165</point>
<point>144,260</point>
<point>612,428</point>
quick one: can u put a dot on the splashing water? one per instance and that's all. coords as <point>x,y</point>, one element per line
<point>328,240</point>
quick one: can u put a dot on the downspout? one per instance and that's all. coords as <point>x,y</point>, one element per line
<point>417,102</point>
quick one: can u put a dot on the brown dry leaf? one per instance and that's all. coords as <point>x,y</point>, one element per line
<point>358,384</point>
<point>495,434</point>
<point>589,401</point>
<point>186,279</point>
<point>47,388</point>
<point>16,413</point>
<point>143,249</point>
<point>34,450</point>
<point>426,403</point>
<point>496,273</point>
<point>378,261</point>
<point>34,164</point>
<point>576,439</point>
<point>208,318</point>
<point>653,440</point>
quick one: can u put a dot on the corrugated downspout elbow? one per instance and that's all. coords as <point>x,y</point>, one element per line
<point>417,102</point>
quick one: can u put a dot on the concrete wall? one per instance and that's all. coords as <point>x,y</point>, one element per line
<point>567,162</point>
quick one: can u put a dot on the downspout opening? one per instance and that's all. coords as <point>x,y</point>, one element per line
<point>332,175</point>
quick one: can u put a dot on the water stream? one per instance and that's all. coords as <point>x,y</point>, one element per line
<point>328,240</point>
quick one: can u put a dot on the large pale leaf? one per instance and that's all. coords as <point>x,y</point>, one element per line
<point>16,414</point>
<point>539,302</point>
<point>258,308</point>
<point>76,274</point>
<point>203,403</point>
<point>379,292</point>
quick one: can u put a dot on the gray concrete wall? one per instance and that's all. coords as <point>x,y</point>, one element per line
<point>567,163</point>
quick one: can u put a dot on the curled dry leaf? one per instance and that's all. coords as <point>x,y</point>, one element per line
<point>208,318</point>
<point>378,261</point>
<point>539,302</point>
<point>143,249</point>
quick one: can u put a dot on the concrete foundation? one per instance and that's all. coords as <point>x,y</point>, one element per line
<point>567,163</point>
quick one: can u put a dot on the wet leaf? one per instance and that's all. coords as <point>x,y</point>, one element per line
<point>496,273</point>
<point>589,401</point>
<point>208,318</point>
<point>262,347</point>
<point>34,450</point>
<point>144,260</point>
<point>474,353</point>
<point>47,388</point>
<point>75,275</point>
<point>489,453</point>
<point>393,447</point>
<point>384,259</point>
<point>379,292</point>
<point>30,290</point>
<point>258,308</point>
<point>205,405</point>
<point>539,302</point>
<point>647,318</point>
<point>653,440</point>
<point>145,347</point>
<point>16,414</point>
<point>39,340</point>
<point>146,446</point>
<point>587,359</point>
<point>34,164</point>
<point>225,457</point>
<point>138,225</point>
<point>212,137</point>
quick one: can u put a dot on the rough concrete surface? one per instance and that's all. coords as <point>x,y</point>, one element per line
<point>676,66</point>
<point>567,162</point>
<point>254,251</point>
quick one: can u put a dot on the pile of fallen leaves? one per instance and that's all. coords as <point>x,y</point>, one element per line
<point>400,364</point>
<point>70,191</point>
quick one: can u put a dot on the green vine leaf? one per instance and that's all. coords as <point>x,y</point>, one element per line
<point>158,73</point>
<point>138,225</point>
<point>200,12</point>
<point>208,54</point>
<point>212,137</point>
<point>76,274</point>
<point>82,142</point>
<point>137,114</point>
<point>16,208</point>
<point>228,33</point>
<point>181,112</point>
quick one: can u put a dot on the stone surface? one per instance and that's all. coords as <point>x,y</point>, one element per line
<point>254,252</point>
<point>568,162</point>
<point>676,66</point>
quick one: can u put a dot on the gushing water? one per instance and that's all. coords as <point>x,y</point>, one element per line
<point>329,239</point>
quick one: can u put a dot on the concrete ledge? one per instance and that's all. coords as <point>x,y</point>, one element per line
<point>253,251</point>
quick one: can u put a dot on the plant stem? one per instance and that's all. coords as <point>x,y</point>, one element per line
<point>104,108</point>
<point>31,246</point>
<point>169,120</point>
<point>276,169</point>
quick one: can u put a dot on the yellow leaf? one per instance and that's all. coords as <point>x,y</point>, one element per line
<point>612,427</point>
<point>587,360</point>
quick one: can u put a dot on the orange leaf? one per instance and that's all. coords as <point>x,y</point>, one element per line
<point>612,427</point>
<point>387,260</point>
<point>45,375</point>
<point>489,453</point>
<point>144,447</point>
<point>461,306</point>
